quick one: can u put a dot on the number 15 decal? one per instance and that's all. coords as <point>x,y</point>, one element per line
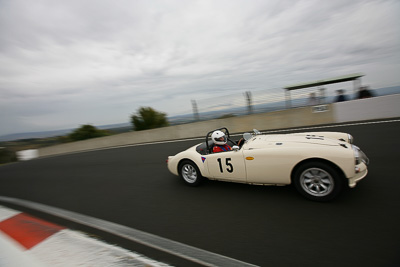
<point>228,165</point>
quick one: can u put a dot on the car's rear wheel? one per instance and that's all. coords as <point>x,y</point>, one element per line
<point>189,173</point>
<point>318,181</point>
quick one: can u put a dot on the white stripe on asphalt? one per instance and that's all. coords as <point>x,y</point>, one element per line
<point>72,248</point>
<point>266,132</point>
<point>11,254</point>
<point>187,252</point>
<point>333,126</point>
<point>202,138</point>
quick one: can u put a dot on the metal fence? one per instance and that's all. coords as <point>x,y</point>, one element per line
<point>267,100</point>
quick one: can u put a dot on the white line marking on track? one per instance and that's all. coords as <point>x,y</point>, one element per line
<point>202,138</point>
<point>72,248</point>
<point>271,131</point>
<point>187,252</point>
<point>11,254</point>
<point>333,126</point>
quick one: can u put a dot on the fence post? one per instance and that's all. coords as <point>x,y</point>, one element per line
<point>322,99</point>
<point>356,87</point>
<point>288,99</point>
<point>195,111</point>
<point>249,102</point>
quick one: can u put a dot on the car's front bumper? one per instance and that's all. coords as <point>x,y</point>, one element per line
<point>361,172</point>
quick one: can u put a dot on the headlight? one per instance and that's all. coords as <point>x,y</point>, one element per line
<point>359,156</point>
<point>351,139</point>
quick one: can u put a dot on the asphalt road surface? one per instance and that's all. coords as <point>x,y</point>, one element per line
<point>265,226</point>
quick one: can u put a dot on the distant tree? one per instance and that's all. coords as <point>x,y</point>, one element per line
<point>226,116</point>
<point>148,118</point>
<point>63,139</point>
<point>6,155</point>
<point>86,132</point>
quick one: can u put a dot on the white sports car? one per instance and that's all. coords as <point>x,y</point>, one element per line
<point>319,164</point>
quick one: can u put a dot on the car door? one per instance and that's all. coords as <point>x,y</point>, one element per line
<point>227,166</point>
<point>268,166</point>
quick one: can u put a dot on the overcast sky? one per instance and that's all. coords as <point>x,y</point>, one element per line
<point>73,62</point>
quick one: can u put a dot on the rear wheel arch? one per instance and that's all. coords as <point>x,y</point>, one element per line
<point>186,160</point>
<point>190,172</point>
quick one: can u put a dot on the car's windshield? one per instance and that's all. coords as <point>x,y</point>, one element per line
<point>248,136</point>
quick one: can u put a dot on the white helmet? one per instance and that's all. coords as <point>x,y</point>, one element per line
<point>218,138</point>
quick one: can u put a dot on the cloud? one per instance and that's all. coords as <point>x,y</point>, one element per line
<point>99,60</point>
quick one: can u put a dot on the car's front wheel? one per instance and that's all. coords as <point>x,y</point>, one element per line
<point>189,173</point>
<point>318,181</point>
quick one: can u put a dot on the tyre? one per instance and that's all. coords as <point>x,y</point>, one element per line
<point>189,173</point>
<point>318,181</point>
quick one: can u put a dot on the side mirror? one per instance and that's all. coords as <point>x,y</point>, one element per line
<point>235,148</point>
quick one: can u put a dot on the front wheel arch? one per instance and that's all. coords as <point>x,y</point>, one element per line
<point>329,167</point>
<point>333,165</point>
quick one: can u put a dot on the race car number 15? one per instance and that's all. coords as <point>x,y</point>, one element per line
<point>229,166</point>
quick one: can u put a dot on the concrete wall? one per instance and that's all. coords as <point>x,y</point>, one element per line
<point>373,108</point>
<point>368,109</point>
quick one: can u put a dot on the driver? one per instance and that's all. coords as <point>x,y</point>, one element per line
<point>219,139</point>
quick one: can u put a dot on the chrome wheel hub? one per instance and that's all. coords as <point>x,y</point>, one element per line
<point>189,173</point>
<point>317,182</point>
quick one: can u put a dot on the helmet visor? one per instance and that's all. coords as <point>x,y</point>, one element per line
<point>221,139</point>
